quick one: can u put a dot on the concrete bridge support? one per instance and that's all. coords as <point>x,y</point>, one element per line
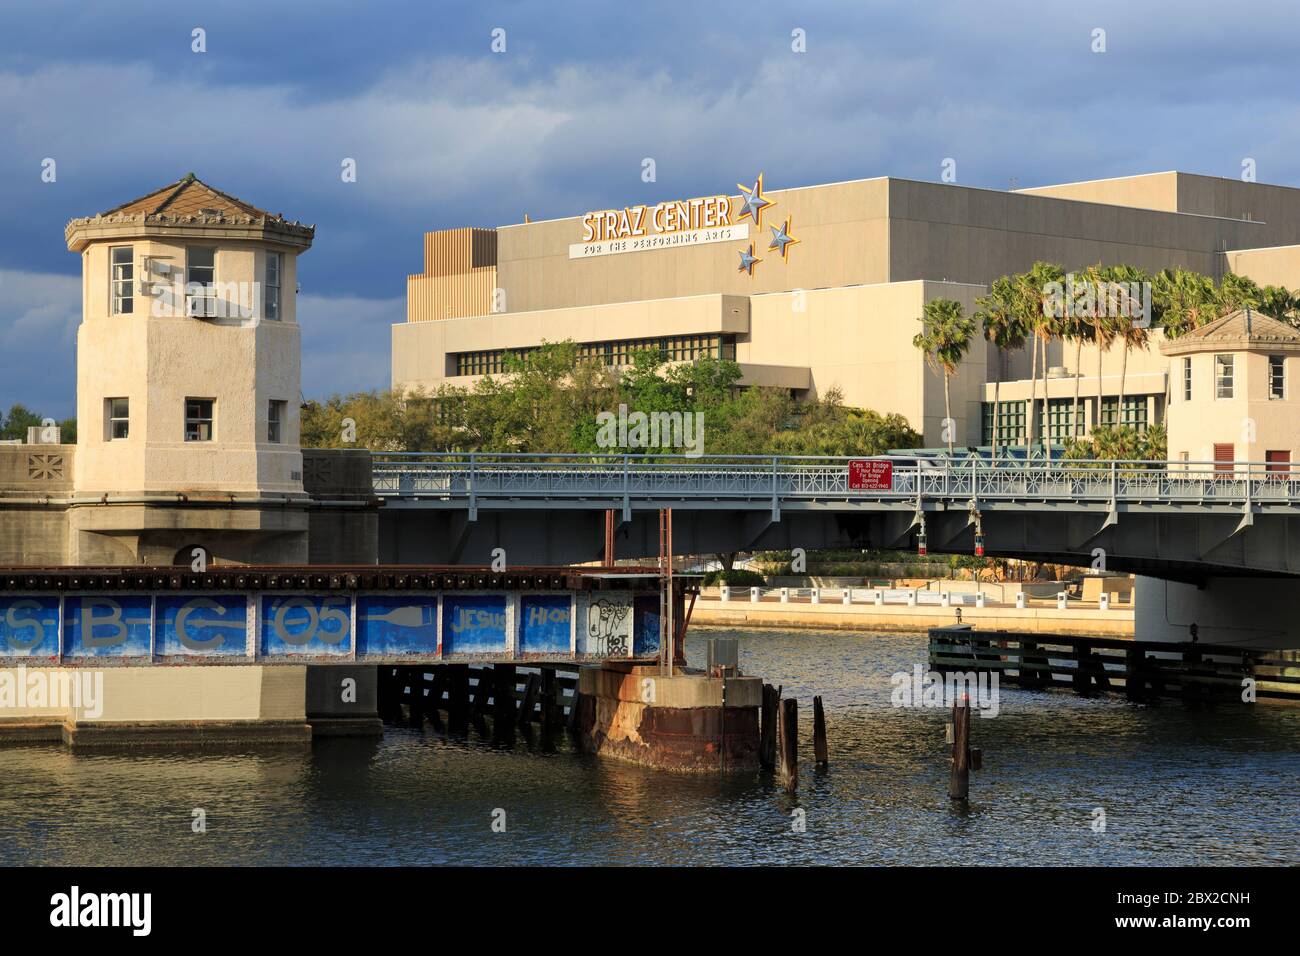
<point>636,713</point>
<point>1251,612</point>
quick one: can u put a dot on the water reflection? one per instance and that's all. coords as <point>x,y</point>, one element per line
<point>1177,785</point>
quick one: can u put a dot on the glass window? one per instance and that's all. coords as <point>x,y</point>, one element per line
<point>119,417</point>
<point>272,291</point>
<point>200,274</point>
<point>1223,369</point>
<point>1187,378</point>
<point>198,419</point>
<point>122,273</point>
<point>1134,414</point>
<point>1276,376</point>
<point>275,413</point>
<point>1011,423</point>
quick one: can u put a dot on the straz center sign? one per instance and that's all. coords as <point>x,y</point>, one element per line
<point>687,222</point>
<point>866,474</point>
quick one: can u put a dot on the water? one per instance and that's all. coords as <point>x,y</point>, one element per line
<point>1178,786</point>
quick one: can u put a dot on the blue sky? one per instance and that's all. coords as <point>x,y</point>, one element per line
<point>447,133</point>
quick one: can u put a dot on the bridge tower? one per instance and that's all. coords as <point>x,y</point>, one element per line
<point>188,382</point>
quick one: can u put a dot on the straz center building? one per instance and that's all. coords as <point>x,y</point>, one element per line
<point>818,287</point>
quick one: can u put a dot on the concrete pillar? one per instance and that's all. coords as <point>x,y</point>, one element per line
<point>912,597</point>
<point>343,700</point>
<point>980,599</point>
<point>1020,600</point>
<point>1104,602</point>
<point>754,595</point>
<point>878,597</point>
<point>816,595</point>
<point>785,595</point>
<point>673,723</point>
<point>1061,600</point>
<point>724,592</point>
<point>846,596</point>
<point>945,599</point>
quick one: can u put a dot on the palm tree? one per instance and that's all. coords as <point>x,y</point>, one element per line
<point>1041,312</point>
<point>1186,300</point>
<point>945,337</point>
<point>1004,329</point>
<point>1130,327</point>
<point>1079,320</point>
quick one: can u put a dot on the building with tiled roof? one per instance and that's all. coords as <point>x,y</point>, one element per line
<point>1232,392</point>
<point>188,379</point>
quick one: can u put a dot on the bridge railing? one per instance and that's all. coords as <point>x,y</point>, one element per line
<point>462,475</point>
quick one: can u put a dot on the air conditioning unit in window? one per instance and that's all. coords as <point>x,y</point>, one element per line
<point>201,306</point>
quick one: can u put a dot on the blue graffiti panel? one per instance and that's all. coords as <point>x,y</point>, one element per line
<point>391,625</point>
<point>645,626</point>
<point>101,626</point>
<point>473,625</point>
<point>545,623</point>
<point>311,625</point>
<point>29,626</point>
<point>207,625</point>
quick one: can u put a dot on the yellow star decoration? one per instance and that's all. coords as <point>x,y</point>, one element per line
<point>782,239</point>
<point>752,202</point>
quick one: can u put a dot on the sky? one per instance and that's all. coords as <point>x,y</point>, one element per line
<point>445,132</point>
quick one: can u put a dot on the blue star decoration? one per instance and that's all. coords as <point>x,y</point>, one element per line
<point>782,240</point>
<point>753,203</point>
<point>748,260</point>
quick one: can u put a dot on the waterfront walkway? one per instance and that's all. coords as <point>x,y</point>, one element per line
<point>904,609</point>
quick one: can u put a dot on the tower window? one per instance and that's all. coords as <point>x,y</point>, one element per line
<point>272,290</point>
<point>198,419</point>
<point>200,274</point>
<point>1187,378</point>
<point>1276,376</point>
<point>275,420</point>
<point>122,272</point>
<point>119,417</point>
<point>1223,369</point>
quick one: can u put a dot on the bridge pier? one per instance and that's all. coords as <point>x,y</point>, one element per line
<point>343,700</point>
<point>633,712</point>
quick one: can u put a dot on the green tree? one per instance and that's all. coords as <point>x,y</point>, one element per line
<point>1004,328</point>
<point>945,339</point>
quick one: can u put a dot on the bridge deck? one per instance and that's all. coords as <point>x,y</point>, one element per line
<point>790,482</point>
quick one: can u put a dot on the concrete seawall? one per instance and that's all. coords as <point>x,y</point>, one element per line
<point>1114,622</point>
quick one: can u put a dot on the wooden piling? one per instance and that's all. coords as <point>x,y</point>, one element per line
<point>413,681</point>
<point>790,744</point>
<point>531,692</point>
<point>503,701</point>
<point>482,691</point>
<point>819,733</point>
<point>767,728</point>
<point>549,689</point>
<point>457,697</point>
<point>433,702</point>
<point>959,782</point>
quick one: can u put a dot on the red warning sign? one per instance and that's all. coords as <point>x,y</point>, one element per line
<point>868,474</point>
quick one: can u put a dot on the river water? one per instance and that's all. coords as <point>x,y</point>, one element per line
<point>1176,785</point>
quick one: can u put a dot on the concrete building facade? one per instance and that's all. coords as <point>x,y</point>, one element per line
<point>837,307</point>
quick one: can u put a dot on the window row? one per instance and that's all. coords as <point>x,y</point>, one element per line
<point>200,416</point>
<point>674,348</point>
<point>200,282</point>
<point>1225,374</point>
<point>1012,418</point>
